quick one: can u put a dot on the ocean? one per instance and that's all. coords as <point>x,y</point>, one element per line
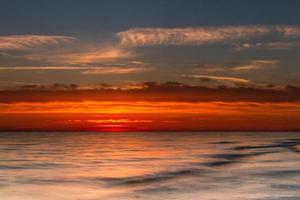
<point>150,166</point>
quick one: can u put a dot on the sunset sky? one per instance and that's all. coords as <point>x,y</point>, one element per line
<point>159,65</point>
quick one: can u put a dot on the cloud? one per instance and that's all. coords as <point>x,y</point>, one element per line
<point>289,31</point>
<point>84,55</point>
<point>116,70</point>
<point>267,46</point>
<point>211,68</point>
<point>33,50</point>
<point>98,55</point>
<point>87,70</point>
<point>136,37</point>
<point>219,78</point>
<point>256,65</point>
<point>45,68</point>
<point>23,42</point>
<point>150,91</point>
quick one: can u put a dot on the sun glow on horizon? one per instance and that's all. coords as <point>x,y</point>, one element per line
<point>149,116</point>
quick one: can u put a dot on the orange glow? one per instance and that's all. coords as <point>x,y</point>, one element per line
<point>149,116</point>
<point>111,121</point>
<point>115,107</point>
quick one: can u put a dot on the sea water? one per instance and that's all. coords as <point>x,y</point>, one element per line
<point>150,166</point>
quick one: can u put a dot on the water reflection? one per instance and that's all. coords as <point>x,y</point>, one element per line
<point>88,166</point>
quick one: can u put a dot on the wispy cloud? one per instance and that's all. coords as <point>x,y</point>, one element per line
<point>203,35</point>
<point>88,70</point>
<point>116,70</point>
<point>257,65</point>
<point>84,55</point>
<point>267,45</point>
<point>46,68</point>
<point>289,31</point>
<point>22,42</point>
<point>235,80</point>
<point>98,55</point>
<point>254,65</point>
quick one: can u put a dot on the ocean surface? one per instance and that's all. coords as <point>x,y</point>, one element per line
<point>149,166</point>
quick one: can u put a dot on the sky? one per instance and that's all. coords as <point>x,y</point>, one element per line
<point>149,65</point>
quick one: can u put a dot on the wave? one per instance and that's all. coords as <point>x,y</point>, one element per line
<point>281,173</point>
<point>162,176</point>
<point>288,143</point>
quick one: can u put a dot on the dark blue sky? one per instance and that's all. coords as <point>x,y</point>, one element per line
<point>237,41</point>
<point>94,16</point>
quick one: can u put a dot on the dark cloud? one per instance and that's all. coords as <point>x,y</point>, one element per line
<point>150,91</point>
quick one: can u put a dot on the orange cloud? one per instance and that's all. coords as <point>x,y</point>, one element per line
<point>96,55</point>
<point>116,70</point>
<point>88,70</point>
<point>21,42</point>
<point>84,55</point>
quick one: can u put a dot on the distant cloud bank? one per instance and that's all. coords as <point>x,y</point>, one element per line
<point>203,35</point>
